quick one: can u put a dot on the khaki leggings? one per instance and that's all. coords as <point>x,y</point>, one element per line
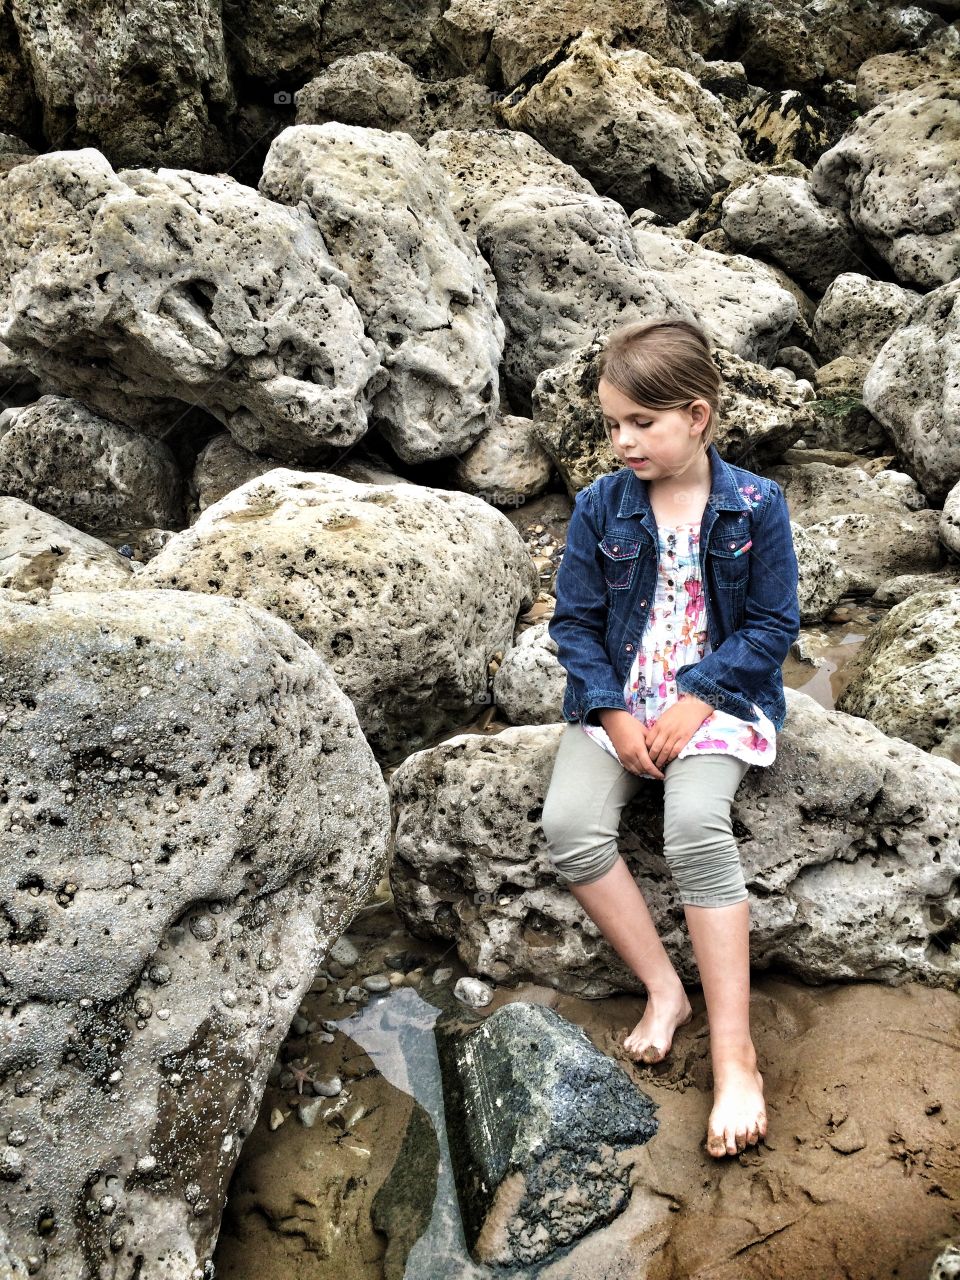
<point>588,790</point>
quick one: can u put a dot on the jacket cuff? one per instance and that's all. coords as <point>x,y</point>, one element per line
<point>596,700</point>
<point>720,699</point>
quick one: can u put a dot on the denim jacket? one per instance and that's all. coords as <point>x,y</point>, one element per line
<point>607,578</point>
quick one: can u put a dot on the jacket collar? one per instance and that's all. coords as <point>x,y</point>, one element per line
<point>724,493</point>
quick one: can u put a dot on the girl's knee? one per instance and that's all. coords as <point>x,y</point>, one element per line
<point>580,863</point>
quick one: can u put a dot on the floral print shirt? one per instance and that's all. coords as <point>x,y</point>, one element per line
<point>675,634</point>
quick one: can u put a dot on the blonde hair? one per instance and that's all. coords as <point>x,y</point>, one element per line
<point>663,363</point>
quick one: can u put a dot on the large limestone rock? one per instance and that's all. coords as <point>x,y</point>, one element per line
<point>897,172</point>
<point>507,465</point>
<point>644,133</point>
<point>857,314</point>
<point>780,215</point>
<point>39,553</point>
<point>148,91</point>
<point>866,548</point>
<point>507,40</point>
<point>759,411</point>
<point>913,388</point>
<point>564,258</point>
<point>378,91</point>
<point>406,591</point>
<point>905,676</point>
<point>791,42</point>
<point>849,845</point>
<point>818,491</point>
<point>427,297</point>
<point>529,685</point>
<point>888,73</point>
<point>138,291</point>
<point>192,818</point>
<point>738,301</point>
<point>485,166</point>
<point>62,457</point>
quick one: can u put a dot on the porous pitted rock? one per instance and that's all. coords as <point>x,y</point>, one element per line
<point>849,845</point>
<point>950,520</point>
<point>905,676</point>
<point>866,548</point>
<point>908,584</point>
<point>779,215</point>
<point>888,73</point>
<point>485,166</point>
<point>759,411</point>
<point>507,465</point>
<point>378,91</point>
<point>67,460</point>
<point>791,42</point>
<point>738,301</point>
<point>897,172</point>
<point>817,491</point>
<point>644,133</point>
<point>222,466</point>
<point>407,591</point>
<point>508,40</point>
<point>530,682</point>
<point>192,817</point>
<point>427,297</point>
<point>139,290</point>
<point>38,552</point>
<point>537,1118</point>
<point>564,258</point>
<point>822,582</point>
<point>858,313</point>
<point>148,89</point>
<point>913,388</point>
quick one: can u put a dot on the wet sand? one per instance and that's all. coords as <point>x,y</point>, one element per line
<point>859,1176</point>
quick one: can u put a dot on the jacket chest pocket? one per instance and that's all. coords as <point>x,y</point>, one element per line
<point>620,557</point>
<point>730,558</point>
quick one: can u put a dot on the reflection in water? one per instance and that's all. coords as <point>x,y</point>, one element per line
<point>397,1033</point>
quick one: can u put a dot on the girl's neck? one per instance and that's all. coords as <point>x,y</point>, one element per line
<point>681,499</point>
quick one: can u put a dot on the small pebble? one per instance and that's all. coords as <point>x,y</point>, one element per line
<point>377,982</point>
<point>309,1111</point>
<point>328,1088</point>
<point>299,1026</point>
<point>473,992</point>
<point>441,975</point>
<point>276,1118</point>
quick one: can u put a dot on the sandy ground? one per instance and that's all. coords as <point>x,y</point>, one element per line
<point>859,1176</point>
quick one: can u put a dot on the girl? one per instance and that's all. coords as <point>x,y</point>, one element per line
<point>676,607</point>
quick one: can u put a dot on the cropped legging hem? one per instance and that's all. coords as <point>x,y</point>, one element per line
<point>586,796</point>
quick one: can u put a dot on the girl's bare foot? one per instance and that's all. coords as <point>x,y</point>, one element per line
<point>651,1038</point>
<point>738,1118</point>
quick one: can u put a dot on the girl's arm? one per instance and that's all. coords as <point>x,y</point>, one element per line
<point>579,620</point>
<point>730,675</point>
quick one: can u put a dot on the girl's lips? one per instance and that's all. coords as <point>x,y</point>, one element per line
<point>636,462</point>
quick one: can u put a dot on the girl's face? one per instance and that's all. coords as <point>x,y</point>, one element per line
<point>667,440</point>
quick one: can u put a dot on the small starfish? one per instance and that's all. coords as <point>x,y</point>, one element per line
<point>301,1075</point>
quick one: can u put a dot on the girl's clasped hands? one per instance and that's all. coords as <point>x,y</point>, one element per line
<point>645,749</point>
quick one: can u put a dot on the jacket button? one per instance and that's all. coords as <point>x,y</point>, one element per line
<point>733,544</point>
<point>617,548</point>
<point>629,648</point>
<point>642,603</point>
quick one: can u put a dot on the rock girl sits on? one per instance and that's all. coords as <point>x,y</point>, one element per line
<point>676,608</point>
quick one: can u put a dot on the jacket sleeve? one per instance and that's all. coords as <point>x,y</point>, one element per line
<point>578,625</point>
<point>729,676</point>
